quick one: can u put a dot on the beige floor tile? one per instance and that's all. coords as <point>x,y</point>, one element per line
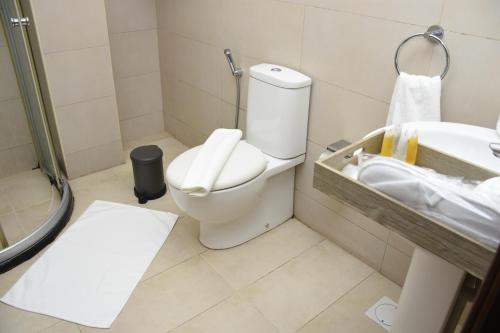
<point>34,216</point>
<point>395,265</point>
<point>248,262</point>
<point>12,228</point>
<point>232,315</point>
<point>8,278</point>
<point>170,299</point>
<point>298,291</point>
<point>5,206</point>
<point>13,320</point>
<point>28,189</point>
<point>182,244</point>
<point>62,327</point>
<point>347,315</point>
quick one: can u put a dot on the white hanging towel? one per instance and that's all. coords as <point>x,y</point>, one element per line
<point>415,98</point>
<point>210,161</point>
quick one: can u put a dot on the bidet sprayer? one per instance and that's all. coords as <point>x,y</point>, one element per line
<point>237,72</point>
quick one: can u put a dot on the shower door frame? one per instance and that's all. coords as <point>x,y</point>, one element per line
<point>29,85</point>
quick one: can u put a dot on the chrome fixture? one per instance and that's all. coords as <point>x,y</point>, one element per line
<point>237,73</point>
<point>19,21</point>
<point>495,148</point>
<point>435,34</point>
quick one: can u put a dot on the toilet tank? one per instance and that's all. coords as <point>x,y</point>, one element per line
<point>278,110</point>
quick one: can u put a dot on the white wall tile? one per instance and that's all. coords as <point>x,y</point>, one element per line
<point>364,63</point>
<point>479,17</point>
<point>139,95</point>
<point>470,89</point>
<point>395,265</point>
<point>80,75</point>
<point>337,113</point>
<point>263,29</point>
<point>8,80</point>
<point>70,24</point>
<point>198,20</point>
<point>196,63</point>
<point>88,124</point>
<point>423,12</point>
<point>130,15</point>
<point>134,53</point>
<point>339,230</point>
<point>142,126</point>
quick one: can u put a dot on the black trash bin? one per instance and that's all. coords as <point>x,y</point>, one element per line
<point>148,173</point>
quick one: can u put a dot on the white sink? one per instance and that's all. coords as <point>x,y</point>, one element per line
<point>467,142</point>
<point>432,284</point>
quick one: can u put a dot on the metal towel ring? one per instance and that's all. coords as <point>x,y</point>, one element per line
<point>435,34</point>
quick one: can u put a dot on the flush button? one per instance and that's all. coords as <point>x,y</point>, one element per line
<point>275,69</point>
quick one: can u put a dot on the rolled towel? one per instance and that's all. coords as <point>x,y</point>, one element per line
<point>415,98</point>
<point>490,191</point>
<point>209,162</point>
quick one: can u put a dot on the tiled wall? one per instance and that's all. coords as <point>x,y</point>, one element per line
<point>134,52</point>
<point>347,47</point>
<point>74,42</point>
<point>16,145</point>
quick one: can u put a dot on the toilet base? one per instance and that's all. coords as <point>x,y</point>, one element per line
<point>275,206</point>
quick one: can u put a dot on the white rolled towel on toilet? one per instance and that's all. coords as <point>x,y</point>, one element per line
<point>415,98</point>
<point>210,161</point>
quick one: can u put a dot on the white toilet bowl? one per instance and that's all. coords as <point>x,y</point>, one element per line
<point>253,194</point>
<point>254,191</point>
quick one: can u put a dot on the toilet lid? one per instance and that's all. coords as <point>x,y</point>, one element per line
<point>245,163</point>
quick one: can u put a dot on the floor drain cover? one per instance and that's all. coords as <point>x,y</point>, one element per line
<point>383,312</point>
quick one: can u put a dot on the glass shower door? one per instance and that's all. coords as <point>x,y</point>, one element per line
<point>42,196</point>
<point>15,24</point>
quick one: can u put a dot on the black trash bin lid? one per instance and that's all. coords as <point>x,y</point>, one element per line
<point>146,154</point>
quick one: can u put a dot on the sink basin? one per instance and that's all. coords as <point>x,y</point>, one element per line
<point>467,142</point>
<point>430,277</point>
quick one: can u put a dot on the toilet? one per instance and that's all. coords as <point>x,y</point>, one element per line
<point>255,189</point>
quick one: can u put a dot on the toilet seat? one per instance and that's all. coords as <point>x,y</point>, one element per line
<point>245,163</point>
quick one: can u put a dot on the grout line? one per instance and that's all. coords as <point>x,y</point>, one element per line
<point>260,312</point>
<point>112,33</point>
<point>379,269</point>
<point>169,268</point>
<point>124,77</point>
<point>50,326</point>
<point>75,49</point>
<point>141,115</point>
<point>369,16</point>
<point>286,262</point>
<point>200,313</point>
<point>11,99</point>
<point>236,292</point>
<point>342,216</point>
<point>339,298</point>
<point>302,36</point>
<point>352,91</point>
<point>84,101</point>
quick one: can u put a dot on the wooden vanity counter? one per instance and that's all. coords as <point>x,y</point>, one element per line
<point>430,234</point>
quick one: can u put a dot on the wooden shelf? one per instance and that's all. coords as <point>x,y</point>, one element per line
<point>430,234</point>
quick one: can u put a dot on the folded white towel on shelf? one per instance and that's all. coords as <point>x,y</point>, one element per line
<point>444,198</point>
<point>415,98</point>
<point>209,162</point>
<point>490,191</point>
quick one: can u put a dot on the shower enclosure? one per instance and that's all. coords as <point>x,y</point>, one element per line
<point>35,199</point>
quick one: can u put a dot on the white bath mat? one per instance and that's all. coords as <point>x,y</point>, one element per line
<point>383,312</point>
<point>89,272</point>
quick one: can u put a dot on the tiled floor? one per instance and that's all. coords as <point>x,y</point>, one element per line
<point>27,199</point>
<point>289,279</point>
